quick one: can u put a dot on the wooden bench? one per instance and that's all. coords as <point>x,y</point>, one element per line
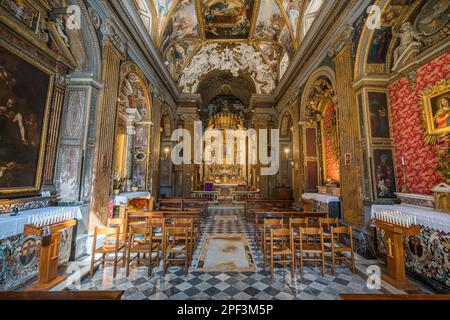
<point>184,204</point>
<point>252,205</point>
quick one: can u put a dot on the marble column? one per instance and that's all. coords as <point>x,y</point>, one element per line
<point>351,186</point>
<point>73,175</point>
<point>296,152</point>
<point>189,117</point>
<point>262,120</point>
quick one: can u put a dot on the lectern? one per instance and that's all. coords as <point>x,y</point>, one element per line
<point>395,257</point>
<point>48,260</point>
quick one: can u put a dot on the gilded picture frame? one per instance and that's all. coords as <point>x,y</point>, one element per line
<point>33,188</point>
<point>436,111</point>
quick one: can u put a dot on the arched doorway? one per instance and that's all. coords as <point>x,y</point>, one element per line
<point>320,134</point>
<point>132,143</point>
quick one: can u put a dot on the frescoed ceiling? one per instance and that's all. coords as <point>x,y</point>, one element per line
<point>182,29</point>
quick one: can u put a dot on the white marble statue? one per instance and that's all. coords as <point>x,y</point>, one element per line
<point>407,37</point>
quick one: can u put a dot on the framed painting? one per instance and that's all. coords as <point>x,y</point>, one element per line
<point>436,110</point>
<point>379,115</point>
<point>384,176</point>
<point>25,96</point>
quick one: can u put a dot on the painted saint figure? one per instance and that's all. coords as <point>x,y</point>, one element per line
<point>10,117</point>
<point>384,177</point>
<point>442,117</point>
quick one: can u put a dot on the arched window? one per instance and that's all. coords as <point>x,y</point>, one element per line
<point>311,13</point>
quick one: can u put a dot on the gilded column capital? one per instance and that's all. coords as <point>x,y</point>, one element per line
<point>344,39</point>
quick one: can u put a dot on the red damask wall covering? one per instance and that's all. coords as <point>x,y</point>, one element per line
<point>408,129</point>
<point>331,157</point>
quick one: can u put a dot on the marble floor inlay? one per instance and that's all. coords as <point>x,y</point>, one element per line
<point>225,285</point>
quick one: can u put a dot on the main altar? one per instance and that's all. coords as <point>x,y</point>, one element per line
<point>227,168</point>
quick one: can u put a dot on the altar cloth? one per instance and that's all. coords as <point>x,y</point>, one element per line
<point>437,220</point>
<point>123,198</point>
<point>11,226</point>
<point>325,198</point>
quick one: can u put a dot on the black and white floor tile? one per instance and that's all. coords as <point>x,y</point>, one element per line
<point>248,285</point>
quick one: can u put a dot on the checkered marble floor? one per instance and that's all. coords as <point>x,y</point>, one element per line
<point>255,285</point>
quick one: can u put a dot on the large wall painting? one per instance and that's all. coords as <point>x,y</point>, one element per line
<point>230,19</point>
<point>24,96</point>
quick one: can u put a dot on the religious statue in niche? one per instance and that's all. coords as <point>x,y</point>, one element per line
<point>384,174</point>
<point>436,111</point>
<point>379,115</point>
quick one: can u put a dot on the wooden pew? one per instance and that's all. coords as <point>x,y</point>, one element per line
<point>184,204</point>
<point>252,205</point>
<point>61,295</point>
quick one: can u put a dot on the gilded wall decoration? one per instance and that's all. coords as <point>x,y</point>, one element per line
<point>23,11</point>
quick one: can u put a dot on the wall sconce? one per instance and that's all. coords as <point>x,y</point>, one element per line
<point>166,153</point>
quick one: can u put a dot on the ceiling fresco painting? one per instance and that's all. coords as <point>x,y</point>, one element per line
<point>270,21</point>
<point>227,19</point>
<point>182,29</point>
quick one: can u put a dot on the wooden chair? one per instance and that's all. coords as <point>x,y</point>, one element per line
<point>142,241</point>
<point>175,243</point>
<point>326,224</point>
<point>111,245</point>
<point>338,248</point>
<point>282,244</point>
<point>312,247</point>
<point>269,224</point>
<point>295,224</point>
<point>189,224</point>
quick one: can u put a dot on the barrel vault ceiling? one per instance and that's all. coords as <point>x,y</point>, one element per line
<point>194,35</point>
